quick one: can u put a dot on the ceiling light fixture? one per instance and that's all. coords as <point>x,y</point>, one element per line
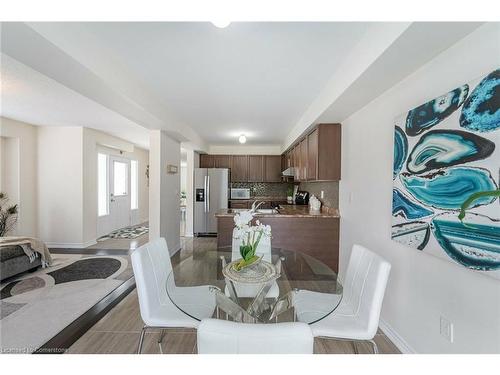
<point>242,138</point>
<point>221,24</point>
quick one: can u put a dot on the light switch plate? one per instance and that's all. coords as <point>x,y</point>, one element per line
<point>322,194</point>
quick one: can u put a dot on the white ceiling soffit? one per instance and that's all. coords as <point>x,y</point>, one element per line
<point>29,96</point>
<point>255,78</point>
<point>388,54</point>
<point>113,89</point>
<point>420,43</point>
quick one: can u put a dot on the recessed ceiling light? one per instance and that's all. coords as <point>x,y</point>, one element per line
<point>242,138</point>
<point>221,23</point>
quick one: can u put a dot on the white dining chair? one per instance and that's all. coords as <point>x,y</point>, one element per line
<point>226,337</point>
<point>357,316</point>
<point>264,249</point>
<point>151,265</point>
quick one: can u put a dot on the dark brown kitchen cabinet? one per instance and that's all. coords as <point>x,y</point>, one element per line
<point>222,161</point>
<point>303,159</point>
<point>272,168</point>
<point>296,162</point>
<point>235,204</point>
<point>329,152</point>
<point>239,168</point>
<point>312,156</point>
<point>207,161</point>
<point>317,156</point>
<point>255,168</point>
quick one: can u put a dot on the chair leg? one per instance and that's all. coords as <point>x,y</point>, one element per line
<point>375,347</point>
<point>141,340</point>
<point>160,340</point>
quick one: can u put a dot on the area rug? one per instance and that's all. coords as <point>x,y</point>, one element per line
<point>126,233</point>
<point>37,306</point>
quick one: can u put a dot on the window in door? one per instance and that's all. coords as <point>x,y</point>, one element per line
<point>120,178</point>
<point>102,185</point>
<point>134,186</point>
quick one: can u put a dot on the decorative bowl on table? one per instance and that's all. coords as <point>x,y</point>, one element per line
<point>259,271</point>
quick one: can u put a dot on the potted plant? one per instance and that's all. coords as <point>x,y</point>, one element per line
<point>250,236</point>
<point>289,194</point>
<point>8,215</point>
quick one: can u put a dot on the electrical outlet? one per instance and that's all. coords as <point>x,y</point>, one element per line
<point>350,197</point>
<point>446,329</point>
<point>322,194</point>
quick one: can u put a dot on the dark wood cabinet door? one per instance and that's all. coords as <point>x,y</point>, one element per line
<point>303,159</point>
<point>243,204</point>
<point>239,168</point>
<point>255,168</point>
<point>222,161</point>
<point>272,168</point>
<point>312,156</point>
<point>207,161</point>
<point>329,152</point>
<point>296,163</point>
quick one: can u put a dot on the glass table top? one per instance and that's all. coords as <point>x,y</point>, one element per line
<point>306,290</point>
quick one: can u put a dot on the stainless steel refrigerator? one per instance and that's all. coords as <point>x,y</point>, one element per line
<point>211,187</point>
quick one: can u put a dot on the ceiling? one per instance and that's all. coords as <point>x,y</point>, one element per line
<point>203,85</point>
<point>252,78</point>
<point>34,98</point>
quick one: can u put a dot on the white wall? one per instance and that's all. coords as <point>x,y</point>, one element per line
<point>18,175</point>
<point>51,172</point>
<point>191,156</point>
<point>9,176</point>
<point>164,191</point>
<point>422,287</point>
<point>60,185</point>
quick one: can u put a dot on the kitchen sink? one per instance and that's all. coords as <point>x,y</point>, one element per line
<point>267,211</point>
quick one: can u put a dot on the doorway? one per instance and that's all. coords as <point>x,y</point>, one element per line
<point>114,198</point>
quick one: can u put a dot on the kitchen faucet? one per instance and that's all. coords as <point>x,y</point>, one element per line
<point>255,207</point>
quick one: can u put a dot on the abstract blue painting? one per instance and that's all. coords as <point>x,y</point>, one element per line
<point>446,171</point>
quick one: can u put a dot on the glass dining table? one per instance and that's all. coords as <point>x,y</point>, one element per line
<point>302,288</point>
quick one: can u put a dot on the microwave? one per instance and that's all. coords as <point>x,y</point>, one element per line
<point>240,193</point>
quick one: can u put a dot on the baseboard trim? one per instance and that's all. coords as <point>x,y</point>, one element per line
<point>396,338</point>
<point>70,245</point>
<point>175,251</point>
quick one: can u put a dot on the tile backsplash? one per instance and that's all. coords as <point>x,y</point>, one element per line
<point>330,190</point>
<point>263,189</point>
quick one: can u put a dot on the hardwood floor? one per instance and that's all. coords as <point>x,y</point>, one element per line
<point>119,330</point>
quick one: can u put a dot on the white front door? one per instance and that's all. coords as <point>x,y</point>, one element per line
<point>119,192</point>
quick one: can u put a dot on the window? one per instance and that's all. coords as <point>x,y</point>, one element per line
<point>102,184</point>
<point>134,177</point>
<point>120,178</point>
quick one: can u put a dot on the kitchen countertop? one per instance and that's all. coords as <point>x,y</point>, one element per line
<point>260,199</point>
<point>287,210</point>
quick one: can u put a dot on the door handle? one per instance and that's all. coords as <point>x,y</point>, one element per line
<point>208,194</point>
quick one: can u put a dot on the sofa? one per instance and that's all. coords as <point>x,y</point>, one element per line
<point>14,261</point>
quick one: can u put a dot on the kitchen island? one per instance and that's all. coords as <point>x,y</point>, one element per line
<point>293,228</point>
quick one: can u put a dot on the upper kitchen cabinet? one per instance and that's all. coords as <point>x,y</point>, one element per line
<point>312,155</point>
<point>317,156</point>
<point>272,168</point>
<point>303,159</point>
<point>256,168</point>
<point>325,152</point>
<point>222,161</point>
<point>239,168</point>
<point>207,161</point>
